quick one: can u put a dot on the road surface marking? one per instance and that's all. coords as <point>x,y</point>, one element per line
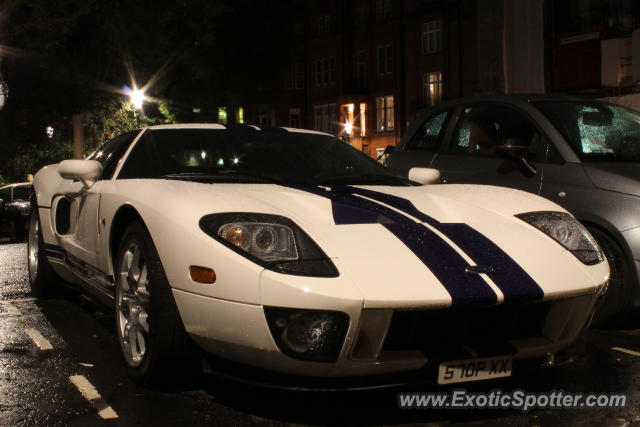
<point>90,393</point>
<point>37,338</point>
<point>11,309</point>
<point>624,350</point>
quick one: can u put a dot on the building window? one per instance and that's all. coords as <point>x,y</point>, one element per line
<point>325,71</point>
<point>295,77</point>
<point>294,117</point>
<point>361,69</point>
<point>332,70</point>
<point>384,10</point>
<point>298,75</point>
<point>222,115</point>
<point>385,59</point>
<point>318,72</point>
<point>240,115</point>
<point>431,37</point>
<point>387,9</point>
<point>325,24</point>
<point>325,118</point>
<point>385,113</point>
<point>432,83</point>
<point>362,16</point>
<point>266,117</point>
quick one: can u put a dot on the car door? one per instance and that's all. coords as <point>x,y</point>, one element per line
<point>76,211</point>
<point>423,142</point>
<point>470,155</point>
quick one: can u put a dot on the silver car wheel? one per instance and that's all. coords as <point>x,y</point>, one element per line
<point>132,304</point>
<point>32,250</point>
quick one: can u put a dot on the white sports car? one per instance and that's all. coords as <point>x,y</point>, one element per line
<point>284,251</point>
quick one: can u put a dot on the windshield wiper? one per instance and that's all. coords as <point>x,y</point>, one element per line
<point>229,175</point>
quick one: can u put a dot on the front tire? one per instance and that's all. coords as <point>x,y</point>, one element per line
<point>617,301</point>
<point>44,282</point>
<point>157,350</point>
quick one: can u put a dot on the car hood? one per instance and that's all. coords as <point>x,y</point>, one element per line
<point>618,177</point>
<point>406,246</point>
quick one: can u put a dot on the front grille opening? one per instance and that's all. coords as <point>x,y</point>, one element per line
<point>484,329</point>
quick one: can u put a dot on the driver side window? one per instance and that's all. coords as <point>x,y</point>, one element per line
<point>482,128</point>
<point>111,152</point>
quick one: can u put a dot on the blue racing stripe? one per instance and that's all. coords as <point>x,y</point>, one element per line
<point>446,264</point>
<point>514,282</point>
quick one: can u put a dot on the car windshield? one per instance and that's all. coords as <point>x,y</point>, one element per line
<point>596,130</point>
<point>279,156</point>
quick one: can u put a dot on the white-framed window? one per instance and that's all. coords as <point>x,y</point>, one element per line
<point>266,117</point>
<point>298,75</point>
<point>385,59</point>
<point>433,85</point>
<point>294,118</point>
<point>318,72</point>
<point>431,37</point>
<point>325,118</point>
<point>325,24</point>
<point>332,70</point>
<point>325,71</point>
<point>362,16</point>
<point>295,78</point>
<point>385,113</point>
<point>387,9</point>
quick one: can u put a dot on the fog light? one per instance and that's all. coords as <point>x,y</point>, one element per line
<point>315,335</point>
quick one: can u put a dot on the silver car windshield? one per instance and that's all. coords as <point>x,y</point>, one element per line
<point>596,130</point>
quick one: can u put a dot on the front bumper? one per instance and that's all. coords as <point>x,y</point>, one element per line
<point>388,342</point>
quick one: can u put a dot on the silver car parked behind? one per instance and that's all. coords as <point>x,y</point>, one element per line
<point>582,154</point>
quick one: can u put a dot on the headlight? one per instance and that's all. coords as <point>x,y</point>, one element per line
<point>566,230</point>
<point>273,241</point>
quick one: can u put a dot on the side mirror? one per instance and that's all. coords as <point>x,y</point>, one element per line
<point>424,175</point>
<point>517,150</point>
<point>87,171</point>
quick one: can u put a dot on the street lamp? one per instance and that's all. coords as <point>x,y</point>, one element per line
<point>137,97</point>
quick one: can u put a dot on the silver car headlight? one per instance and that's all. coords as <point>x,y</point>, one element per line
<point>272,241</point>
<point>566,230</point>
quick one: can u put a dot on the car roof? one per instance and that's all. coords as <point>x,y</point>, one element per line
<point>235,127</point>
<point>17,184</point>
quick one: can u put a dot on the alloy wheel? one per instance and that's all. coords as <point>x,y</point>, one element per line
<point>32,247</point>
<point>132,304</point>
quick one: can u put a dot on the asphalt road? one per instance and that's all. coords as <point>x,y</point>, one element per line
<point>36,387</point>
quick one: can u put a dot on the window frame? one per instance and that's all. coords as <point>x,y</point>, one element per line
<point>385,114</point>
<point>426,35</point>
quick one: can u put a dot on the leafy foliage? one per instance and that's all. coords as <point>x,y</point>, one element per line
<point>75,56</point>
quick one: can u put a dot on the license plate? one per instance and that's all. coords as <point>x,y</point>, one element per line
<point>458,371</point>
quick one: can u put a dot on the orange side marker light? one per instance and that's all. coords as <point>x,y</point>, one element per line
<point>202,274</point>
